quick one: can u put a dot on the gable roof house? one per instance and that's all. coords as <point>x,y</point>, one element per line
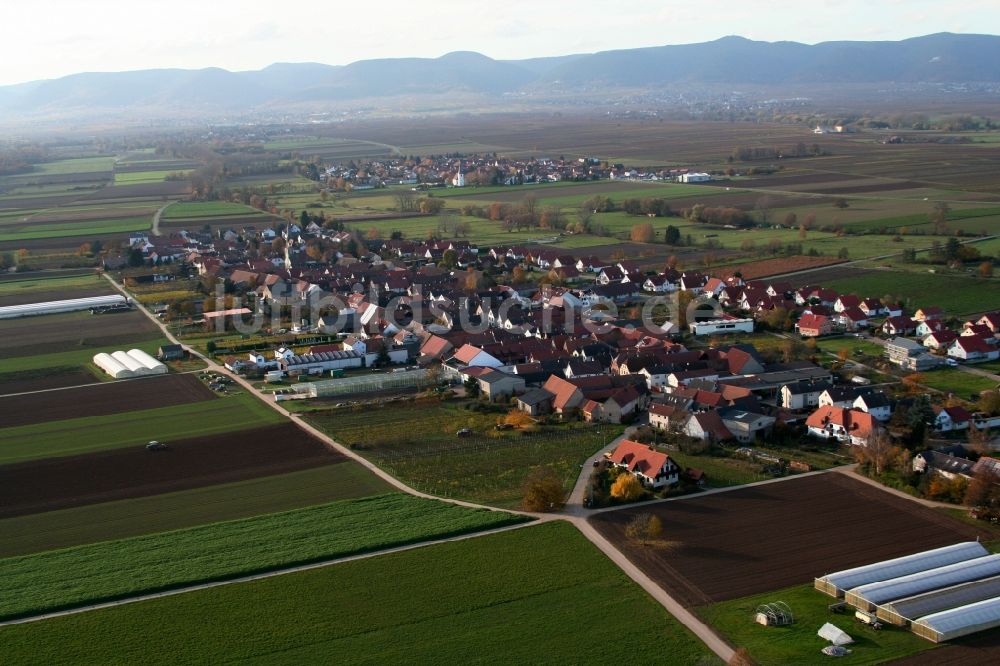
<point>846,425</point>
<point>951,418</point>
<point>652,468</point>
<point>812,326</point>
<point>876,404</point>
<point>707,426</point>
<point>972,349</point>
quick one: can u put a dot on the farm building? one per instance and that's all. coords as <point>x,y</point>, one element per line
<point>960,621</point>
<point>904,611</point>
<point>318,363</point>
<point>836,584</point>
<point>125,365</point>
<point>54,307</point>
<point>713,326</point>
<point>867,597</point>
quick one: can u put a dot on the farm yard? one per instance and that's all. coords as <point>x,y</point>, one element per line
<point>417,443</point>
<point>34,584</point>
<point>191,461</point>
<point>764,538</point>
<point>443,603</point>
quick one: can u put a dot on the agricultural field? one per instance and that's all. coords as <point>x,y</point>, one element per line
<point>49,530</point>
<point>18,290</point>
<point>44,379</point>
<point>185,210</point>
<point>154,176</point>
<point>958,295</point>
<point>953,380</point>
<point>78,353</point>
<point>43,582</point>
<point>768,537</point>
<point>87,434</point>
<point>417,443</point>
<point>443,603</point>
<point>24,337</point>
<point>105,399</point>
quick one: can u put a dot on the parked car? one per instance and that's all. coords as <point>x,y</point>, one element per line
<point>464,432</point>
<point>156,446</point>
<point>951,362</point>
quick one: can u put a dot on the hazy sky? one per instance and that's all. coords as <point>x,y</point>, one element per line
<point>47,39</point>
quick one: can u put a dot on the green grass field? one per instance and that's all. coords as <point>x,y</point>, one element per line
<point>81,575</point>
<point>76,357</point>
<point>76,165</point>
<point>721,472</point>
<point>417,443</point>
<point>171,511</point>
<point>193,209</point>
<point>959,382</point>
<point>94,433</point>
<point>834,345</point>
<point>139,177</point>
<point>958,295</point>
<point>77,229</point>
<point>540,595</point>
<point>798,643</point>
<point>30,285</point>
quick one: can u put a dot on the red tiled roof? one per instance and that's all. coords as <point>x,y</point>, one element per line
<point>638,457</point>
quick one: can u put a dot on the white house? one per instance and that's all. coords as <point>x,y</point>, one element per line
<point>876,404</point>
<point>652,468</point>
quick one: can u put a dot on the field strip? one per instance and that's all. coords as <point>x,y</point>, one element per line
<point>76,386</point>
<point>272,574</point>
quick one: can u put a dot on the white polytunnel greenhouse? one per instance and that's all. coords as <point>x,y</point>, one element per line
<point>132,364</point>
<point>837,584</point>
<point>866,597</point>
<point>53,307</point>
<point>901,611</point>
<point>960,621</point>
<point>113,367</point>
<point>152,366</point>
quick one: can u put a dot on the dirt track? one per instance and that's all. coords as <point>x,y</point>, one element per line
<point>769,537</point>
<point>104,399</point>
<point>59,483</point>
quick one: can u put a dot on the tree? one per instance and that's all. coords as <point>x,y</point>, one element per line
<point>989,403</point>
<point>373,234</point>
<point>986,269</point>
<point>951,248</point>
<point>644,527</point>
<point>472,387</point>
<point>763,207</point>
<point>449,258</point>
<point>982,495</point>
<point>791,220</point>
<point>642,233</point>
<point>431,205</point>
<point>518,275</point>
<point>843,253</point>
<point>627,488</point>
<point>672,235</point>
<point>841,203</point>
<point>518,419</point>
<point>543,491</point>
<point>878,453</point>
<point>406,201</point>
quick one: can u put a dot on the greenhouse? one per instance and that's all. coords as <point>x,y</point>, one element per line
<point>960,621</point>
<point>153,367</point>
<point>371,383</point>
<point>902,611</point>
<point>113,367</point>
<point>53,307</point>
<point>836,584</point>
<point>868,596</point>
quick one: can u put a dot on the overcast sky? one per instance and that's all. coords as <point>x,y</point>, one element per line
<point>46,39</point>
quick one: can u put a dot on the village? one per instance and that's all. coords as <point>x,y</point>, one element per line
<point>677,356</point>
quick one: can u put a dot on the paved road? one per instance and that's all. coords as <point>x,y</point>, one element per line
<point>574,505</point>
<point>675,608</point>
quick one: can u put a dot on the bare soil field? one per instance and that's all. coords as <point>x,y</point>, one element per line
<point>59,483</point>
<point>36,203</point>
<point>70,243</point>
<point>166,188</point>
<point>50,378</point>
<point>69,215</point>
<point>974,650</point>
<point>46,334</point>
<point>749,541</point>
<point>785,180</point>
<point>103,399</point>
<point>236,222</point>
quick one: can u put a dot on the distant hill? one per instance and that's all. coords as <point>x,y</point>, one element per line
<point>940,58</point>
